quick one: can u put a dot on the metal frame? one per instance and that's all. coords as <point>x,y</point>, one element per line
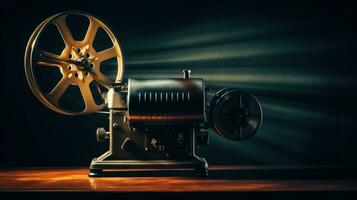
<point>113,158</point>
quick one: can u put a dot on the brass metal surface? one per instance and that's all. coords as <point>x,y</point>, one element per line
<point>73,62</point>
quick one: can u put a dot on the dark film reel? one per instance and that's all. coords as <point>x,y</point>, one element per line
<point>235,114</point>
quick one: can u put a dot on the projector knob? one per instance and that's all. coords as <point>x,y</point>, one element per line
<point>102,134</point>
<point>186,74</point>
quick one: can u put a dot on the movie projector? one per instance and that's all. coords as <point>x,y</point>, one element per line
<point>154,123</point>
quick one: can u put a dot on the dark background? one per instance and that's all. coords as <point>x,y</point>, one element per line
<point>297,57</point>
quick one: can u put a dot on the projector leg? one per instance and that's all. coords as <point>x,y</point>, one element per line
<point>202,170</point>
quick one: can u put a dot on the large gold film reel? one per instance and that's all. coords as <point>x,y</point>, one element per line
<point>79,63</point>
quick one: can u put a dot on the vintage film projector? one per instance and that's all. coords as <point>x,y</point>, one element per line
<point>155,123</point>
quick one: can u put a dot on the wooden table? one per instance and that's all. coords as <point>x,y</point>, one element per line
<point>222,179</point>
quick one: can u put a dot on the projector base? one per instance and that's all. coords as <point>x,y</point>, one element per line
<point>100,168</point>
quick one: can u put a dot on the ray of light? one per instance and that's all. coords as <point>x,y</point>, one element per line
<point>226,51</point>
<point>293,75</point>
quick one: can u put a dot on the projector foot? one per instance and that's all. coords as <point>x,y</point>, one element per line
<point>95,172</point>
<point>202,172</point>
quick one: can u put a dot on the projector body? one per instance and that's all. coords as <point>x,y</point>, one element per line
<point>156,124</point>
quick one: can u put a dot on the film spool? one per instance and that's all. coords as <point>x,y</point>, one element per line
<point>235,114</point>
<point>79,63</point>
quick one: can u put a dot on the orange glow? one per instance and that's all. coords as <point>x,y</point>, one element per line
<point>76,179</point>
<point>165,118</point>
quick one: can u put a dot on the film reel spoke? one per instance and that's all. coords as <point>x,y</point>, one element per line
<point>88,99</point>
<point>58,91</point>
<point>100,78</point>
<point>107,54</point>
<point>64,30</point>
<point>91,31</point>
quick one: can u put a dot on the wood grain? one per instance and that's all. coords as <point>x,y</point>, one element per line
<point>223,178</point>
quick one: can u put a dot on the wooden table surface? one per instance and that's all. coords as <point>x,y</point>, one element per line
<point>222,178</point>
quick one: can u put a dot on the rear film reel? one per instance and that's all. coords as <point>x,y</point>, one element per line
<point>235,114</point>
<point>79,63</point>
